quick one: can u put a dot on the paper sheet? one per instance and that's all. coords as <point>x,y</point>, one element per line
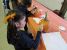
<point>54,41</point>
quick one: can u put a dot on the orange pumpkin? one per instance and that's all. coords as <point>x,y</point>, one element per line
<point>34,26</point>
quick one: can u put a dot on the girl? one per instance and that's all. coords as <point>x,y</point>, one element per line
<point>23,6</point>
<point>17,36</point>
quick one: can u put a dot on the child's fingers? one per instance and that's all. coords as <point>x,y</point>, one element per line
<point>40,28</point>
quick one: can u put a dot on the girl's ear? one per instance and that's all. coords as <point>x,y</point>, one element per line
<point>17,24</point>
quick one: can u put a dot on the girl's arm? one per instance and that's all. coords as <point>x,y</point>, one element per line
<point>27,42</point>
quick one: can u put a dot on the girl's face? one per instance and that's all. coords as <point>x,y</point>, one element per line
<point>21,23</point>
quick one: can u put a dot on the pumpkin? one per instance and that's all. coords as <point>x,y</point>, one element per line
<point>34,26</point>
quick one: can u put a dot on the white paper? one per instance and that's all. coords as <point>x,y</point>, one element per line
<point>37,20</point>
<point>54,41</point>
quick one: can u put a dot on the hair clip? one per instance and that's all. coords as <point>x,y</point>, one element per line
<point>11,16</point>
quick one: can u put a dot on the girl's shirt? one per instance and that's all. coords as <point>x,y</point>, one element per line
<point>24,41</point>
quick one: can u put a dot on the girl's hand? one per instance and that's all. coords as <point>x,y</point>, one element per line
<point>40,28</point>
<point>29,29</point>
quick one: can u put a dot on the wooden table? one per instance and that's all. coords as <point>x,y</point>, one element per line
<point>54,20</point>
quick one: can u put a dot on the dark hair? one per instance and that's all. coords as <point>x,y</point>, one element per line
<point>11,27</point>
<point>27,2</point>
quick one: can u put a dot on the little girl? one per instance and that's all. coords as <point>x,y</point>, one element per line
<point>17,36</point>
